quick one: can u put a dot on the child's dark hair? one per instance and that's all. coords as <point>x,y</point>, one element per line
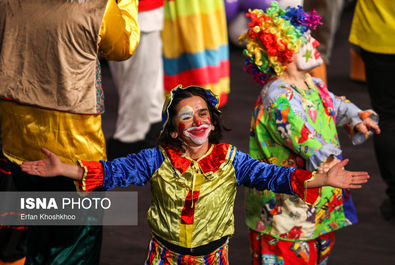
<point>215,136</point>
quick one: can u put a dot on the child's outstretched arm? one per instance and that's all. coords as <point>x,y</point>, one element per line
<point>51,167</point>
<point>339,178</point>
<point>136,169</point>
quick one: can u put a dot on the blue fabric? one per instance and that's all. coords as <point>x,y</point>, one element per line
<point>255,174</point>
<point>134,169</point>
<point>187,61</point>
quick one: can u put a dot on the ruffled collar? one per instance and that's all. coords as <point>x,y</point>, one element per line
<point>209,163</point>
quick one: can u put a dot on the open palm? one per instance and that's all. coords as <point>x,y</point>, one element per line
<point>338,177</point>
<point>49,167</point>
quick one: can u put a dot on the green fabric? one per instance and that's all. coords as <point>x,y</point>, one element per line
<point>279,136</point>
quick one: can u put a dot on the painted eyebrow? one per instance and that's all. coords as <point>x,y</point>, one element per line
<point>206,109</point>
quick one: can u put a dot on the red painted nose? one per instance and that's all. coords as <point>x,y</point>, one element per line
<point>316,43</point>
<point>198,122</point>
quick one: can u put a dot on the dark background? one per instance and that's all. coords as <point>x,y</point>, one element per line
<point>371,241</point>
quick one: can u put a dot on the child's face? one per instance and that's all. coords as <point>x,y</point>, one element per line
<point>193,121</point>
<point>308,56</point>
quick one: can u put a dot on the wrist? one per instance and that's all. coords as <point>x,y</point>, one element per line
<point>325,179</point>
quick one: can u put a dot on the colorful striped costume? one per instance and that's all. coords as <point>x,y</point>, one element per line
<point>159,254</point>
<point>195,45</point>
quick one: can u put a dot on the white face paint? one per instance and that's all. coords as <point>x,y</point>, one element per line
<point>185,114</point>
<point>308,56</point>
<point>194,123</point>
<point>198,135</point>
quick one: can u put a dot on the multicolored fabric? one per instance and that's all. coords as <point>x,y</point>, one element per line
<point>297,128</point>
<point>192,200</point>
<point>273,37</point>
<point>159,254</point>
<point>268,250</point>
<point>195,45</point>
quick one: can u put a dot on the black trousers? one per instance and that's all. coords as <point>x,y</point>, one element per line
<point>380,75</point>
<point>12,238</point>
<point>66,245</point>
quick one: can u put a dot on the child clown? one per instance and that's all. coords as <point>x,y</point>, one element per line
<point>294,125</point>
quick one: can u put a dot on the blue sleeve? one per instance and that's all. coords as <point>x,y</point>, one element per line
<point>134,169</point>
<point>255,174</point>
<point>346,112</point>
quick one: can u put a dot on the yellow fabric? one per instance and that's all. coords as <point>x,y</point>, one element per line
<point>223,86</point>
<point>71,136</point>
<point>119,32</point>
<point>191,7</point>
<point>186,230</point>
<point>217,195</point>
<point>373,26</point>
<point>199,38</point>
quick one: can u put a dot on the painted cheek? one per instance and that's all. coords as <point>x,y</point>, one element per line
<point>316,43</point>
<point>181,128</point>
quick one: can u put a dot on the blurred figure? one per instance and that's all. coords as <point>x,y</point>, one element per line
<point>373,30</point>
<point>330,11</point>
<point>139,82</point>
<point>195,46</point>
<point>50,89</point>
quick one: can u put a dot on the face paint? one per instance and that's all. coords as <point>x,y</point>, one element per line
<point>308,56</point>
<point>193,123</point>
<point>198,135</point>
<point>185,114</point>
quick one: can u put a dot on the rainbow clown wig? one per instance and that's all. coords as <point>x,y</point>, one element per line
<point>273,37</point>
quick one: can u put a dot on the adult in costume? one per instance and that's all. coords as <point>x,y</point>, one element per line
<point>373,30</point>
<point>139,82</point>
<point>51,93</point>
<point>193,180</point>
<point>195,46</point>
<point>294,125</point>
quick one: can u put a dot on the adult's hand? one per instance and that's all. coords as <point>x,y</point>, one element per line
<point>51,167</point>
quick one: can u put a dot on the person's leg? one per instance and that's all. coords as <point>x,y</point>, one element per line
<point>139,81</point>
<point>57,244</point>
<point>12,238</point>
<point>379,74</point>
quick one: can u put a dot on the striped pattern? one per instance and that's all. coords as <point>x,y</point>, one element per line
<point>195,45</point>
<point>160,255</point>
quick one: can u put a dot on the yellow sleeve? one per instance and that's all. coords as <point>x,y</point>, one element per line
<point>119,32</point>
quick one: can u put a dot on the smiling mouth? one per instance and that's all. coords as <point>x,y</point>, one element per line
<point>199,131</point>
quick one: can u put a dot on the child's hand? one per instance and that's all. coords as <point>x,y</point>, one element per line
<point>368,125</point>
<point>328,164</point>
<point>49,167</point>
<point>340,178</point>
